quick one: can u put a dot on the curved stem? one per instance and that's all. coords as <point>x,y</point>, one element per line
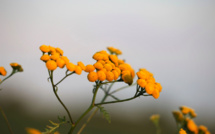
<point>54,89</point>
<point>64,78</point>
<point>6,120</point>
<point>109,102</point>
<point>12,73</point>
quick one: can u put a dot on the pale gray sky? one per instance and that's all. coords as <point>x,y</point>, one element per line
<point>172,39</point>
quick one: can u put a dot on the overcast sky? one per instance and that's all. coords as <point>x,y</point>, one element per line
<point>172,39</point>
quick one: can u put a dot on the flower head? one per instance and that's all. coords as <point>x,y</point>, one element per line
<point>182,131</point>
<point>17,67</point>
<point>3,71</point>
<point>44,48</point>
<point>92,76</point>
<point>51,65</point>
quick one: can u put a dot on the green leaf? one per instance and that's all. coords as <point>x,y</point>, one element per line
<point>50,129</point>
<point>105,113</point>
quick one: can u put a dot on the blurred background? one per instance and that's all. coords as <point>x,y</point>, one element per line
<point>172,39</point>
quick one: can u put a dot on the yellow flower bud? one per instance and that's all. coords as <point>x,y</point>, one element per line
<point>65,59</point>
<point>70,66</point>
<point>127,78</point>
<point>89,68</point>
<point>55,56</point>
<point>52,50</point>
<point>101,75</point>
<point>45,57</point>
<point>118,70</point>
<point>182,131</point>
<point>179,117</point>
<point>98,56</point>
<point>92,76</point>
<point>44,48</point>
<point>191,125</point>
<point>98,65</point>
<point>101,61</point>
<point>141,82</point>
<point>60,63</point>
<point>109,76</point>
<point>158,86</point>
<point>156,94</point>
<point>114,59</point>
<point>16,66</point>
<point>78,70</point>
<point>3,71</point>
<point>149,88</point>
<point>58,50</point>
<point>116,75</point>
<point>108,67</point>
<point>142,74</point>
<point>51,65</point>
<point>83,67</point>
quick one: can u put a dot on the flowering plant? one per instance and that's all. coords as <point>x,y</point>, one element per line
<point>107,70</point>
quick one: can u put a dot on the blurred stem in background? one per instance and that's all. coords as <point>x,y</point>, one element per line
<point>6,120</point>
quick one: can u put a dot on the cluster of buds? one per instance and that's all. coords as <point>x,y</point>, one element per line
<point>109,67</point>
<point>53,57</point>
<point>16,68</point>
<point>184,118</point>
<point>147,82</point>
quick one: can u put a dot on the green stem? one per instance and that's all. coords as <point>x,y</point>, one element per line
<point>92,105</point>
<point>64,78</point>
<point>6,120</point>
<point>12,73</point>
<point>109,102</point>
<point>122,88</point>
<point>54,89</point>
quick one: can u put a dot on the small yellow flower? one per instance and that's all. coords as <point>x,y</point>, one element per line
<point>114,59</point>
<point>158,86</point>
<point>149,88</point>
<point>78,70</point>
<point>60,63</point>
<point>101,61</point>
<point>70,66</point>
<point>127,79</point>
<point>83,67</point>
<point>45,57</point>
<point>101,75</point>
<point>191,125</point>
<point>55,56</point>
<point>65,59</point>
<point>141,82</point>
<point>98,56</point>
<point>98,65</point>
<point>109,76</point>
<point>89,68</point>
<point>33,131</point>
<point>203,129</point>
<point>156,94</point>
<point>16,66</point>
<point>44,48</point>
<point>108,67</point>
<point>118,70</point>
<point>51,65</point>
<point>116,74</point>
<point>92,76</point>
<point>182,131</point>
<point>3,71</point>
<point>58,50</point>
<point>52,50</point>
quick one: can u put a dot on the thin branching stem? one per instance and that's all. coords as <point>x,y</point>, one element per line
<point>55,92</point>
<point>6,120</point>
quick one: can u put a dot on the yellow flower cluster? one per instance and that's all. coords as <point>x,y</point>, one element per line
<point>3,71</point>
<point>184,117</point>
<point>109,67</point>
<point>53,57</point>
<point>147,81</point>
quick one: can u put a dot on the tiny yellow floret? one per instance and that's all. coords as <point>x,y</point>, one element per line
<point>141,82</point>
<point>70,66</point>
<point>51,65</point>
<point>109,76</point>
<point>60,63</point>
<point>33,131</point>
<point>81,64</point>
<point>44,48</point>
<point>3,71</point>
<point>92,76</point>
<point>101,75</point>
<point>58,50</point>
<point>89,68</point>
<point>182,131</point>
<point>78,70</point>
<point>45,57</point>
